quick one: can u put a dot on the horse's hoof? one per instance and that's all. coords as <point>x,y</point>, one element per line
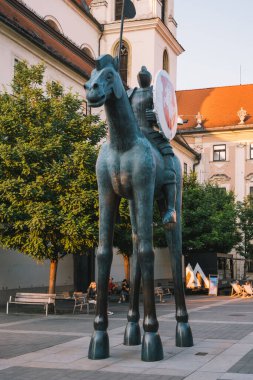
<point>183,335</point>
<point>152,349</point>
<point>99,346</point>
<point>132,336</point>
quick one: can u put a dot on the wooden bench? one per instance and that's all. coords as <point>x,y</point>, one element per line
<point>43,299</point>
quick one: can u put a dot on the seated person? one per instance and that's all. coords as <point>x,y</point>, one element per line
<point>92,292</point>
<point>124,294</point>
<point>112,287</point>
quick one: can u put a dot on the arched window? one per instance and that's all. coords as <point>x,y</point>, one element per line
<point>51,21</point>
<point>124,55</point>
<point>118,9</point>
<point>165,61</point>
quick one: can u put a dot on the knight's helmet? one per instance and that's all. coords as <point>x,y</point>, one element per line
<point>144,77</point>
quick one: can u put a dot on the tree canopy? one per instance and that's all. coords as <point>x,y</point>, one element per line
<point>209,218</point>
<point>48,150</point>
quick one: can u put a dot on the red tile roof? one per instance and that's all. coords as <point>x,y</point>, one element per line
<point>218,106</point>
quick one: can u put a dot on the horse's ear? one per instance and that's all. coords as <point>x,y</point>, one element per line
<point>116,63</point>
<point>117,86</point>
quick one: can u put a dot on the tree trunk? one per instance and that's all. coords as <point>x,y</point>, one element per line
<point>127,267</point>
<point>52,276</point>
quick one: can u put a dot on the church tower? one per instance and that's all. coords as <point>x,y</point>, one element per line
<point>149,39</point>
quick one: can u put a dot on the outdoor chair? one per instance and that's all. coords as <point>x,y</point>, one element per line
<point>80,301</point>
<point>92,303</point>
<point>237,290</point>
<point>247,291</point>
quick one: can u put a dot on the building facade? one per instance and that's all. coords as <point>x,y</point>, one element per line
<point>219,125</point>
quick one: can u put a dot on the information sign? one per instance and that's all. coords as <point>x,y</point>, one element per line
<point>213,284</point>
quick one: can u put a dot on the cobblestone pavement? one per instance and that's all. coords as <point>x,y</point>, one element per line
<point>35,347</point>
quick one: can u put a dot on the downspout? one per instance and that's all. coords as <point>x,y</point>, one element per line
<point>198,157</point>
<point>99,42</point>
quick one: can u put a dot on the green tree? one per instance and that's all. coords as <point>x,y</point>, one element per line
<point>245,226</point>
<point>48,150</point>
<point>123,234</point>
<point>208,218</point>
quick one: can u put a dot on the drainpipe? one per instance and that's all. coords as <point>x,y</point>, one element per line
<point>198,157</point>
<point>99,42</point>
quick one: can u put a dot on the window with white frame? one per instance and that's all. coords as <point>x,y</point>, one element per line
<point>219,152</point>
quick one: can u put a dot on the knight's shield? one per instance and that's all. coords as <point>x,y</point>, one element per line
<point>165,104</point>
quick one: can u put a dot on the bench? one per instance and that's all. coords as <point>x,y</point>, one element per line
<point>43,299</point>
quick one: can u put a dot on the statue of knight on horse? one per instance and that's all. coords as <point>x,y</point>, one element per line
<point>131,166</point>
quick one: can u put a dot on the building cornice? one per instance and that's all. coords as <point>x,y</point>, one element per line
<point>145,24</point>
<point>226,129</point>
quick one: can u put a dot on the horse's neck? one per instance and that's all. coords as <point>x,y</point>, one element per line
<point>123,128</point>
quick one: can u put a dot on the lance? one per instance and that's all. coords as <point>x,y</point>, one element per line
<point>128,11</point>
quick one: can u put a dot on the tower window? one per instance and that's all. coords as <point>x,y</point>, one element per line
<point>123,60</point>
<point>163,11</point>
<point>165,61</point>
<point>118,9</point>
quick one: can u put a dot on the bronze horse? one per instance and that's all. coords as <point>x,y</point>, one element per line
<point>129,167</point>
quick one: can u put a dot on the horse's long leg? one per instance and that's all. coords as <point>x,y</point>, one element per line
<point>174,241</point>
<point>108,203</point>
<point>151,344</point>
<point>132,335</point>
<point>183,330</point>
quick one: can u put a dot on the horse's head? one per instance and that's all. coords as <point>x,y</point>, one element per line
<point>104,82</point>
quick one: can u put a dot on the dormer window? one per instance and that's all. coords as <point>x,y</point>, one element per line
<point>51,21</point>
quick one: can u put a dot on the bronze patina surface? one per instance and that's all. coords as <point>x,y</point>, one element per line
<point>129,166</point>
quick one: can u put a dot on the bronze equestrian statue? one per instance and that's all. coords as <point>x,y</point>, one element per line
<point>129,166</point>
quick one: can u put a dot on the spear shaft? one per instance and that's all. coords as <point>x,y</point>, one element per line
<point>121,30</point>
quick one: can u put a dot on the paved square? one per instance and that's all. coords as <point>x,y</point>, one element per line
<point>36,347</point>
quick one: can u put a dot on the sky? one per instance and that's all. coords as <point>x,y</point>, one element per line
<point>217,36</point>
